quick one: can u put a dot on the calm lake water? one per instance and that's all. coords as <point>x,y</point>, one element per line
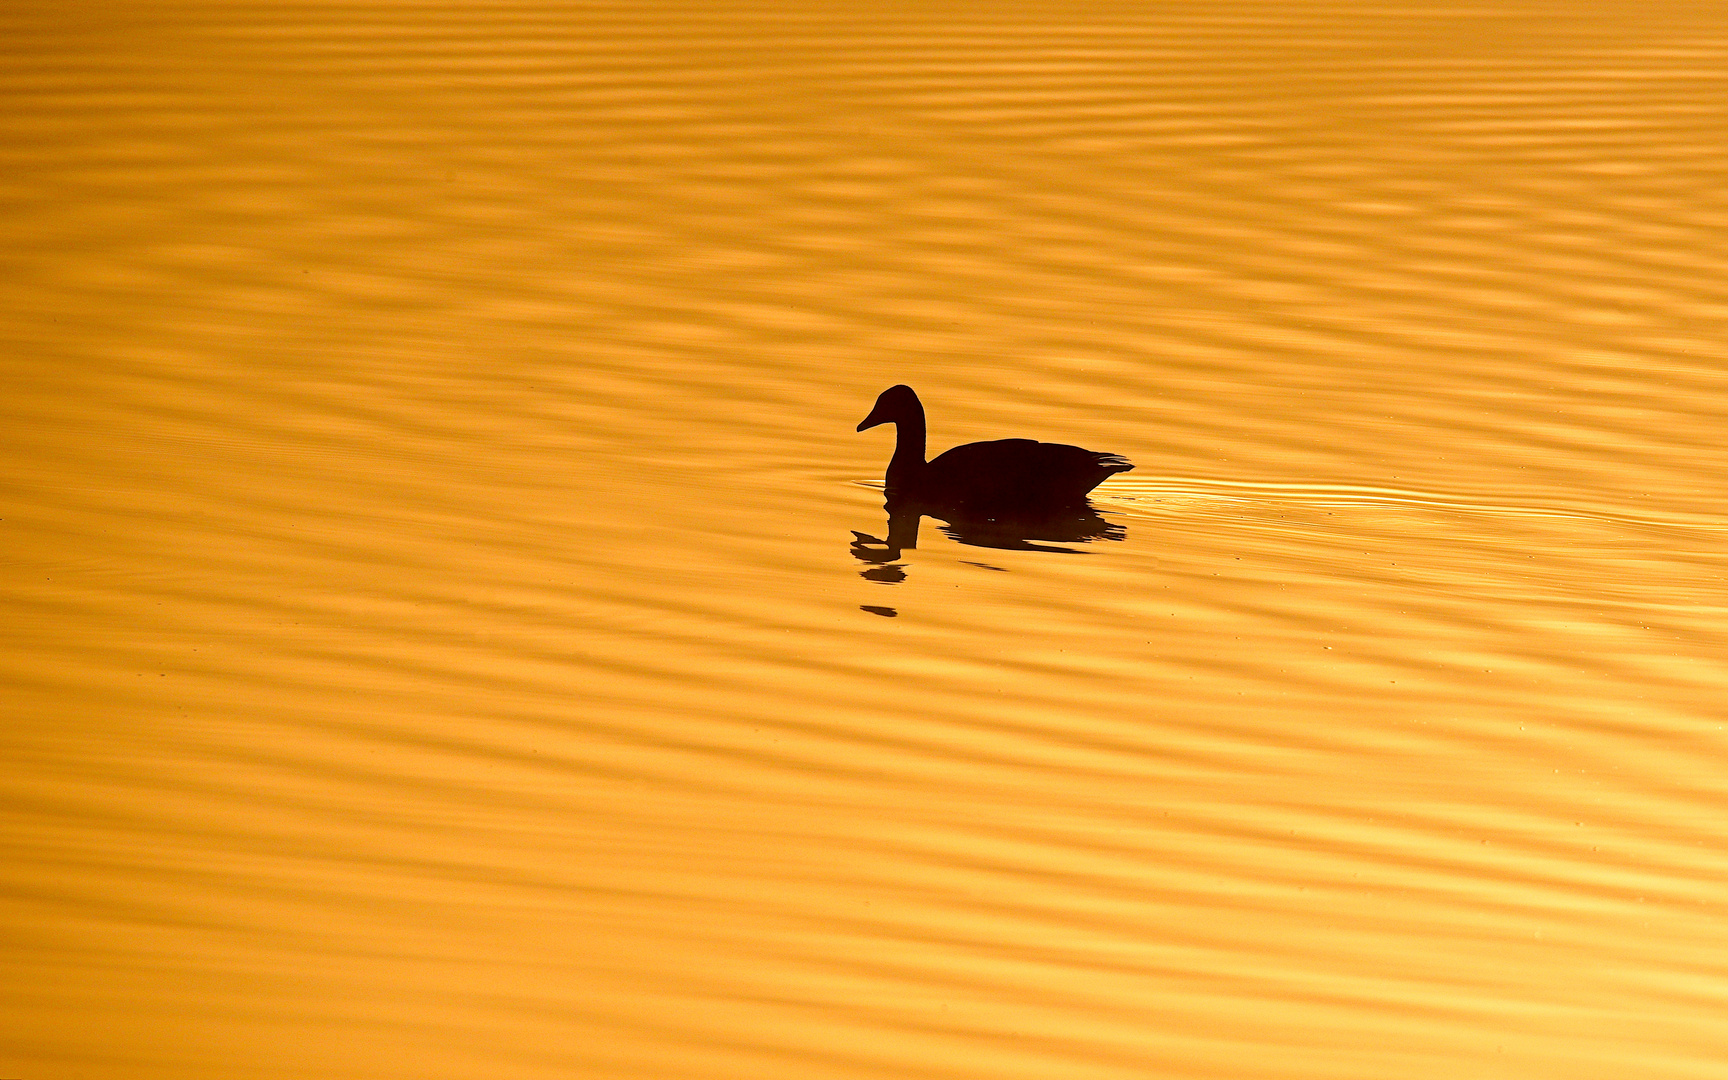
<point>436,651</point>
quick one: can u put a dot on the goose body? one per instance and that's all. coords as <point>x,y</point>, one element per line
<point>1007,475</point>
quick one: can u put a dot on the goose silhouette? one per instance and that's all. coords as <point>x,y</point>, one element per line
<point>1007,477</point>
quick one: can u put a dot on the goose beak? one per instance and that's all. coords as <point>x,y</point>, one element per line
<point>877,416</point>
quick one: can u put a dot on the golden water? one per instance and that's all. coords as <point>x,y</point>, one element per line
<point>434,649</point>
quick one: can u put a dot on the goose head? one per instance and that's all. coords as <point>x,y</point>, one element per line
<point>894,405</point>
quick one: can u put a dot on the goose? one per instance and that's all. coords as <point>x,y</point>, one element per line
<point>1007,476</point>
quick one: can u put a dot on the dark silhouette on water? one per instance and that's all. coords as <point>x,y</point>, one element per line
<point>1004,494</point>
<point>1016,532</point>
<point>1008,476</point>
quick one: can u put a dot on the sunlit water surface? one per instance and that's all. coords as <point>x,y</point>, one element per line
<point>435,649</point>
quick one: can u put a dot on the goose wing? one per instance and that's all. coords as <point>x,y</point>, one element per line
<point>1020,471</point>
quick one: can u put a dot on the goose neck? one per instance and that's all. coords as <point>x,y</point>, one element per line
<point>908,457</point>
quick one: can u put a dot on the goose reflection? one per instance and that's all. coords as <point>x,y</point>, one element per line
<point>1013,494</point>
<point>1024,531</point>
<point>1021,532</point>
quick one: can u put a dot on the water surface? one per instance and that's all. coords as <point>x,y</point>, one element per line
<point>436,648</point>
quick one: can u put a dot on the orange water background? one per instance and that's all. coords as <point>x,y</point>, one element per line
<point>434,651</point>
